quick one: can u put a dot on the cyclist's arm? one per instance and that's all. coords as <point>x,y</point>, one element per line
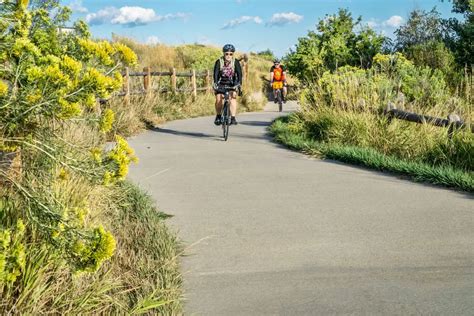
<point>217,70</point>
<point>238,71</point>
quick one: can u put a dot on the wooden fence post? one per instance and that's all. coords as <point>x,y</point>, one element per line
<point>194,83</point>
<point>246,67</point>
<point>173,80</point>
<point>208,81</point>
<point>147,81</point>
<point>126,86</point>
<point>453,119</point>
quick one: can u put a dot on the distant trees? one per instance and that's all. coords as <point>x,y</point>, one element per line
<point>426,39</point>
<point>335,43</point>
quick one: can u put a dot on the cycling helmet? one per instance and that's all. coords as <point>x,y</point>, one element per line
<point>276,61</point>
<point>228,48</point>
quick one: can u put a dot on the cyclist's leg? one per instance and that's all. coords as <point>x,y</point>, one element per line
<point>233,103</point>
<point>233,107</point>
<point>285,92</point>
<point>219,103</point>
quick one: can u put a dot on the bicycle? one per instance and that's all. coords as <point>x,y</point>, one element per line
<point>225,113</point>
<point>278,93</point>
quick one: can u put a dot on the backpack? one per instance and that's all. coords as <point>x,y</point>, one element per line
<point>278,74</point>
<point>221,63</point>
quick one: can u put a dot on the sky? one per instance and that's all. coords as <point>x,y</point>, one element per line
<point>251,25</point>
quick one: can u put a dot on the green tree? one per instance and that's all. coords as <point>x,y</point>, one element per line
<point>334,44</point>
<point>422,40</point>
<point>421,27</point>
<point>460,39</point>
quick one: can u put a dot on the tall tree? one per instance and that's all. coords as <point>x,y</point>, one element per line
<point>422,27</point>
<point>461,37</point>
<point>335,43</point>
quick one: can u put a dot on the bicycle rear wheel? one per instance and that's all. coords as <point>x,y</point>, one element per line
<point>225,120</point>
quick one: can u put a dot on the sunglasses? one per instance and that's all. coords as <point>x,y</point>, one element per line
<point>229,54</point>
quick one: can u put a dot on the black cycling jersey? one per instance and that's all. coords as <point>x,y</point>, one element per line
<point>220,78</point>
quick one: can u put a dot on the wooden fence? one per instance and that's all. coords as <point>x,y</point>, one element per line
<point>453,122</point>
<point>147,74</point>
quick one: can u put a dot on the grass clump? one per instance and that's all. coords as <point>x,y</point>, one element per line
<point>320,139</point>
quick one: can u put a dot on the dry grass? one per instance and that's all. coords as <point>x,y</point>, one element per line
<point>142,276</point>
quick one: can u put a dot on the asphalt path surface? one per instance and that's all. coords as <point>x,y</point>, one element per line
<point>271,231</point>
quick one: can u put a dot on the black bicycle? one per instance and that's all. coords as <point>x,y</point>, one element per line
<point>225,114</point>
<point>279,99</point>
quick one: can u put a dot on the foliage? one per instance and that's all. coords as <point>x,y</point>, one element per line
<point>198,56</point>
<point>422,27</point>
<point>461,35</point>
<point>50,211</point>
<point>393,78</point>
<point>266,54</point>
<point>334,44</point>
<point>292,131</point>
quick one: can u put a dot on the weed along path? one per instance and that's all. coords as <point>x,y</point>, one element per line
<point>271,231</point>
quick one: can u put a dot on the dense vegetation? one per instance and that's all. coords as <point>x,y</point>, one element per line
<point>350,78</point>
<point>71,234</point>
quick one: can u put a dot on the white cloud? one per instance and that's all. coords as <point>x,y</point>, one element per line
<point>394,21</point>
<point>130,16</point>
<point>76,6</point>
<point>372,24</point>
<point>243,19</point>
<point>153,40</point>
<point>280,19</point>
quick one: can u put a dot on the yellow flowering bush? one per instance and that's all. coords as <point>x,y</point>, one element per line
<point>91,253</point>
<point>3,89</point>
<point>119,158</point>
<point>50,81</point>
<point>56,75</point>
<point>107,120</point>
<point>12,252</point>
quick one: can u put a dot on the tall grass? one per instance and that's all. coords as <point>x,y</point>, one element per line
<point>291,132</point>
<point>142,276</point>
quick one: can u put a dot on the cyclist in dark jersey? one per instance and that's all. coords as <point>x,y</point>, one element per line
<point>227,72</point>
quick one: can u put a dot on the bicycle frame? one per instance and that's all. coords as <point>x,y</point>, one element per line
<point>225,113</point>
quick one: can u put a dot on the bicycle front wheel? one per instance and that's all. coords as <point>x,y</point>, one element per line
<point>225,121</point>
<point>280,100</point>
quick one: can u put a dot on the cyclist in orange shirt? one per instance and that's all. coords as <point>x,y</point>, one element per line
<point>278,78</point>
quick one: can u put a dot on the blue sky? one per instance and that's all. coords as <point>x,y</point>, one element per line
<point>251,25</point>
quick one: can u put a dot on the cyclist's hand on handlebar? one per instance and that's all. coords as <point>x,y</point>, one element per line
<point>215,86</point>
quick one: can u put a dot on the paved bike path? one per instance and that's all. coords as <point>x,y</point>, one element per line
<point>271,231</point>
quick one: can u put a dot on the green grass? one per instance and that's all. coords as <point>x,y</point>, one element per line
<point>148,254</point>
<point>143,276</point>
<point>417,171</point>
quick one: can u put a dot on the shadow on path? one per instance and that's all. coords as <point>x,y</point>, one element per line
<point>256,123</point>
<point>182,133</point>
<point>234,133</point>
